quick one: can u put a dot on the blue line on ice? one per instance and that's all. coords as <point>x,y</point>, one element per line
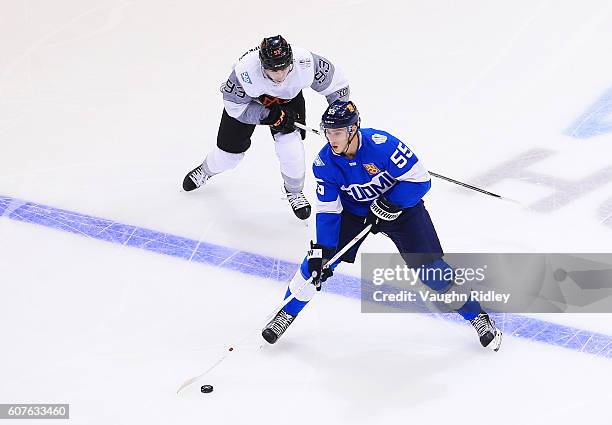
<point>596,120</point>
<point>270,268</point>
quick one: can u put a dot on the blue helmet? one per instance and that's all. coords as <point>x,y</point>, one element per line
<point>340,114</point>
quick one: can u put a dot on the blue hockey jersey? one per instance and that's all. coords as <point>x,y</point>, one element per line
<point>382,164</point>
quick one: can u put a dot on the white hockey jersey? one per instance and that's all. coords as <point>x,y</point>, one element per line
<point>249,91</point>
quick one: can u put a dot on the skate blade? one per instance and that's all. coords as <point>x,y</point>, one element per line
<point>495,344</point>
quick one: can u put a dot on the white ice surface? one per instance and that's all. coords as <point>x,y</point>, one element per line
<point>105,105</point>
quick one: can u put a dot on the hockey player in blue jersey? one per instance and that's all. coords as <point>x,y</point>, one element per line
<point>366,176</point>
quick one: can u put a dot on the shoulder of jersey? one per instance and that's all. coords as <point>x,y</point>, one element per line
<point>302,58</point>
<point>247,64</point>
<point>378,142</point>
<point>250,56</point>
<point>323,159</point>
<point>377,137</point>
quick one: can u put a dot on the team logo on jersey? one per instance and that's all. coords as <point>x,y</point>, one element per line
<point>371,190</point>
<point>371,168</point>
<point>245,77</point>
<point>267,100</point>
<point>305,62</point>
<point>318,162</point>
<point>379,138</point>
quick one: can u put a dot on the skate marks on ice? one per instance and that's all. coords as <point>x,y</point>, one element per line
<point>270,268</point>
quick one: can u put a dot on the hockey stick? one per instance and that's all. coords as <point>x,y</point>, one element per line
<point>477,189</point>
<point>286,301</point>
<point>306,128</point>
<point>448,179</point>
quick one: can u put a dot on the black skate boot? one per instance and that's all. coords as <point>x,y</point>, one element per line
<point>277,326</point>
<point>299,204</point>
<point>196,178</point>
<point>489,335</point>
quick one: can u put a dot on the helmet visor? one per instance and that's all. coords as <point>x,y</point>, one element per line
<point>278,75</point>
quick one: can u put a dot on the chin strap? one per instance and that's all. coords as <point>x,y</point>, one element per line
<point>348,145</point>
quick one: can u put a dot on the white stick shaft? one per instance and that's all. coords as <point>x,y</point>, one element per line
<point>286,301</point>
<point>306,128</point>
<point>335,258</point>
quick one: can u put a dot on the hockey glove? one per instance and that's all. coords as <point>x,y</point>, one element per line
<point>281,119</point>
<point>381,210</point>
<point>316,260</point>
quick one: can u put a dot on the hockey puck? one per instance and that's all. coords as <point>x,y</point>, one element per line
<point>560,275</point>
<point>207,388</point>
<point>231,348</point>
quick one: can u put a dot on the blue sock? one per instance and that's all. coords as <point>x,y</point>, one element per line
<point>439,285</point>
<point>294,306</point>
<point>469,310</point>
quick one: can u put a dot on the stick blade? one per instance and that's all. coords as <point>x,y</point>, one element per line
<point>187,383</point>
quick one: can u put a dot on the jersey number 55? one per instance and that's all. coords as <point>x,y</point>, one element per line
<point>401,155</point>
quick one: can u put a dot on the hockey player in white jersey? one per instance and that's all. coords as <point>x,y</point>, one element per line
<point>265,88</point>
